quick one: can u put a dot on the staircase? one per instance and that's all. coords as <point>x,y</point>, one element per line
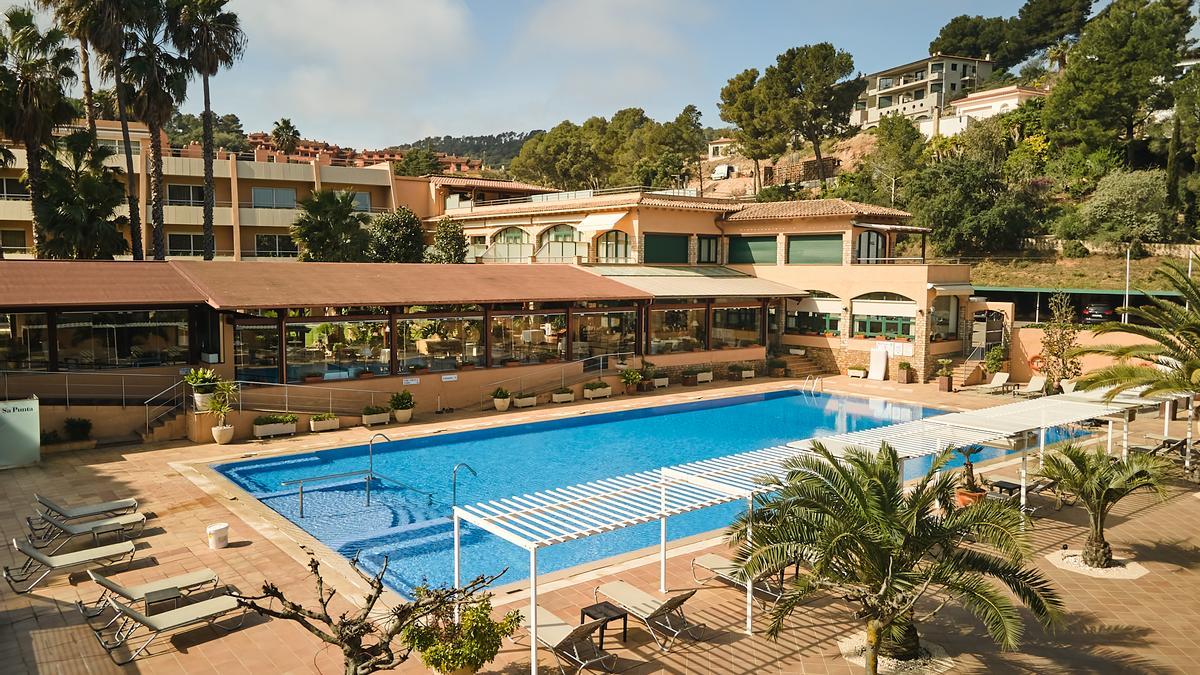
<point>801,366</point>
<point>966,371</point>
<point>168,427</point>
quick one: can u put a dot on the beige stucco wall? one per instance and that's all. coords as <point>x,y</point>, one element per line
<point>1027,343</point>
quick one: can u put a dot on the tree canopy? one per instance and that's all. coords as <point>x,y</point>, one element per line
<point>1009,41</point>
<point>184,128</point>
<point>396,237</point>
<point>330,229</point>
<point>82,195</point>
<point>418,162</point>
<point>449,244</point>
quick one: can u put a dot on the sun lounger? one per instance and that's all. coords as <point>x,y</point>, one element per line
<point>879,359</point>
<point>572,644</point>
<point>998,384</point>
<point>1068,386</point>
<point>664,619</point>
<point>47,506</point>
<point>205,611</point>
<point>36,561</point>
<point>728,571</point>
<point>1036,387</point>
<point>125,526</point>
<point>184,583</point>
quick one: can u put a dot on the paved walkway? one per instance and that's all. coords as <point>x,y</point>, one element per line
<point>1146,625</point>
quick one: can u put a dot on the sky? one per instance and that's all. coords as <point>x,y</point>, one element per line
<point>372,73</point>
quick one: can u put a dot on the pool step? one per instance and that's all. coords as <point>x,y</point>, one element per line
<point>397,539</point>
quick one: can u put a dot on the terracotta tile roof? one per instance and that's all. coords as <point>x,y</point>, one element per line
<point>64,283</point>
<point>574,205</point>
<point>812,208</point>
<point>462,181</point>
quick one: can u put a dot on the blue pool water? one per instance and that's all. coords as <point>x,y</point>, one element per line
<point>416,532</point>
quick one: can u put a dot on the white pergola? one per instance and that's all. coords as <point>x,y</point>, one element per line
<point>536,520</point>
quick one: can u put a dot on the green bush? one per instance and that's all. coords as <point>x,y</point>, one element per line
<point>737,367</point>
<point>323,417</point>
<point>631,376</point>
<point>563,390</point>
<point>1073,248</point>
<point>402,400</point>
<point>50,437</point>
<point>995,358</point>
<point>944,369</point>
<point>275,418</point>
<point>375,410</point>
<point>776,363</point>
<point>904,365</point>
<point>470,643</point>
<point>691,372</point>
<point>77,428</point>
<point>203,380</point>
<point>501,392</point>
<point>598,384</point>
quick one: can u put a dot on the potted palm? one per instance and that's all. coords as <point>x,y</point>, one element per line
<point>563,395</point>
<point>969,490</point>
<point>464,646</point>
<point>375,414</point>
<point>777,367</point>
<point>945,376</point>
<point>402,404</point>
<point>597,389</point>
<point>525,400</point>
<point>630,378</point>
<point>904,372</point>
<point>203,382</point>
<point>220,403</point>
<point>325,421</point>
<point>274,425</point>
<point>501,399</point>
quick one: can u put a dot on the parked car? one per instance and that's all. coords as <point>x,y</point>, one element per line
<point>1097,312</point>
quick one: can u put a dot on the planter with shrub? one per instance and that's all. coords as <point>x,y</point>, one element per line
<point>501,399</point>
<point>945,375</point>
<point>597,389</point>
<point>220,404</point>
<point>904,372</point>
<point>970,490</point>
<point>689,377</point>
<point>203,382</point>
<point>375,414</point>
<point>325,421</point>
<point>777,367</point>
<point>524,400</point>
<point>631,378</point>
<point>77,429</point>
<point>739,371</point>
<point>402,404</point>
<point>266,426</point>
<point>564,395</point>
<point>704,375</point>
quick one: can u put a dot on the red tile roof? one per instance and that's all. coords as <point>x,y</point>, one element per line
<point>577,204</point>
<point>64,283</point>
<point>812,208</point>
<point>488,183</point>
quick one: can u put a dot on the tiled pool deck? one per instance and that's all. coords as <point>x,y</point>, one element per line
<point>1148,625</point>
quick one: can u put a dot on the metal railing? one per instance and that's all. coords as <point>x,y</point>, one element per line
<point>369,474</point>
<point>454,481</point>
<point>876,260</point>
<point>169,401</point>
<point>79,387</point>
<point>299,398</point>
<point>582,194</point>
<point>591,368</point>
<point>331,476</point>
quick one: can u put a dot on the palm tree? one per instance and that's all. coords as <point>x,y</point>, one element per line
<point>74,17</point>
<point>106,32</point>
<point>212,39</point>
<point>329,229</point>
<point>37,72</point>
<point>157,79</point>
<point>863,537</point>
<point>1167,361</point>
<point>1057,54</point>
<point>83,196</point>
<point>1099,482</point>
<point>285,135</point>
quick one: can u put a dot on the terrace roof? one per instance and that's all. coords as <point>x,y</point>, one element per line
<point>68,283</point>
<point>697,282</point>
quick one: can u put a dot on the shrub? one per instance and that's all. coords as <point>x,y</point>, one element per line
<point>995,358</point>
<point>470,643</point>
<point>374,410</point>
<point>402,400</point>
<point>598,384</point>
<point>1128,206</point>
<point>691,372</point>
<point>50,436</point>
<point>77,428</point>
<point>944,369</point>
<point>501,392</point>
<point>1073,248</point>
<point>524,394</point>
<point>737,367</point>
<point>631,376</point>
<point>324,417</point>
<point>203,380</point>
<point>775,364</point>
<point>904,365</point>
<point>563,390</point>
<point>275,418</point>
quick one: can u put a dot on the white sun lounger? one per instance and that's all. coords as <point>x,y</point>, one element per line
<point>205,611</point>
<point>36,561</point>
<point>47,506</point>
<point>1036,387</point>
<point>728,571</point>
<point>999,381</point>
<point>664,619</point>
<point>878,367</point>
<point>126,526</point>
<point>572,644</point>
<point>184,583</point>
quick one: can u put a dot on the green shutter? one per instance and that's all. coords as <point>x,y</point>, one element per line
<point>815,249</point>
<point>752,250</point>
<point>666,249</point>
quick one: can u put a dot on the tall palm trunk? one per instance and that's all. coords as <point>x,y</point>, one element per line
<point>156,191</point>
<point>37,196</point>
<point>85,77</point>
<point>135,216</point>
<point>207,140</point>
<point>871,656</point>
<point>1096,551</point>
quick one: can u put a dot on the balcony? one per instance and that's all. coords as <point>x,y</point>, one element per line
<point>257,216</point>
<point>179,213</point>
<point>16,208</point>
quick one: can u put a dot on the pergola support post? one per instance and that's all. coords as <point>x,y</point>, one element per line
<point>749,580</point>
<point>662,537</point>
<point>457,560</point>
<point>1041,446</point>
<point>1125,437</point>
<point>1109,439</point>
<point>533,607</point>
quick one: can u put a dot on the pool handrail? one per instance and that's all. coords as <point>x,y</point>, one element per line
<point>454,482</point>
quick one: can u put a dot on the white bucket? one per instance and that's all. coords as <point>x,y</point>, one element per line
<point>218,535</point>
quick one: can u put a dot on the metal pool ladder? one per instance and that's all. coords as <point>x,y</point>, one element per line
<point>813,384</point>
<point>369,474</point>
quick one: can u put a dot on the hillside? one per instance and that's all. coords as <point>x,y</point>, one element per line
<point>495,150</point>
<point>1095,271</point>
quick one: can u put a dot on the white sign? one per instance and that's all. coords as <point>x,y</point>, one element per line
<point>20,432</point>
<point>410,380</point>
<point>450,378</point>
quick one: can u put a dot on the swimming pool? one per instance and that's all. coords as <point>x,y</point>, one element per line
<point>415,530</point>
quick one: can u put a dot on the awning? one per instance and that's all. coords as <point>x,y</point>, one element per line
<point>952,289</point>
<point>600,222</point>
<point>883,227</point>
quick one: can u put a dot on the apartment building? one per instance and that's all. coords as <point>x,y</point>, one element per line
<point>256,194</point>
<point>920,90</point>
<point>323,152</point>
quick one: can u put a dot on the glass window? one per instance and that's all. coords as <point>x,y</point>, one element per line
<point>337,350</point>
<point>613,247</point>
<point>13,241</point>
<point>256,353</point>
<point>884,102</point>
<point>875,325</point>
<point>91,340</point>
<point>511,245</point>
<point>24,341</point>
<point>886,82</point>
<point>816,315</point>
<point>666,249</point>
<point>362,201</point>
<point>814,249</point>
<point>736,327</point>
<point>872,247</point>
<point>528,338</point>
<point>953,86</point>
<point>708,250</point>
<point>185,244</point>
<point>919,94</point>
<point>135,147</point>
<point>953,66</point>
<point>603,333</point>
<point>273,198</point>
<point>944,318</point>
<point>275,246</point>
<point>13,188</point>
<point>753,250</point>
<point>937,67</point>
<point>440,344</point>
<point>185,195</point>
<point>677,330</point>
<point>561,243</point>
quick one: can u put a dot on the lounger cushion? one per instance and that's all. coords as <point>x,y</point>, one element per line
<point>139,592</point>
<point>635,601</point>
<point>85,527</point>
<point>719,565</point>
<point>183,616</point>
<point>550,628</point>
<point>87,509</point>
<point>87,555</point>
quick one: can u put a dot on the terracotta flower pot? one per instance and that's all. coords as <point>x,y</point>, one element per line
<point>966,498</point>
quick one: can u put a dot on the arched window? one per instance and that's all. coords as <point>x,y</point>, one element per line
<point>872,247</point>
<point>511,235</point>
<point>612,247</point>
<point>559,233</point>
<point>511,245</point>
<point>883,315</point>
<point>561,243</point>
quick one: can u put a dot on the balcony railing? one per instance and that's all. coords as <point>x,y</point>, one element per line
<point>876,260</point>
